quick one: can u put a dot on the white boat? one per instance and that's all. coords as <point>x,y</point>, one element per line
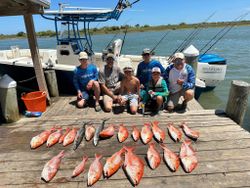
<point>17,63</point>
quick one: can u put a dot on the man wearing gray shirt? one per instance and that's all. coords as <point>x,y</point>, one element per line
<point>109,79</point>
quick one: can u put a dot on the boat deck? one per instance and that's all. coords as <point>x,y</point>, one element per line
<point>223,150</point>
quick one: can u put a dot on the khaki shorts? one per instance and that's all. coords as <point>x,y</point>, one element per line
<point>176,99</point>
<point>132,99</point>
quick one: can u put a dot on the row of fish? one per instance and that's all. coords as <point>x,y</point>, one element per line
<point>55,135</point>
<point>133,165</point>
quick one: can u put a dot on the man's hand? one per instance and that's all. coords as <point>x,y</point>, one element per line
<point>150,92</point>
<point>115,98</point>
<point>90,85</point>
<point>180,81</point>
<point>79,95</point>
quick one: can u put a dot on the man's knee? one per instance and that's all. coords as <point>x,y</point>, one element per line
<point>80,103</point>
<point>159,99</point>
<point>189,95</point>
<point>133,109</point>
<point>96,85</point>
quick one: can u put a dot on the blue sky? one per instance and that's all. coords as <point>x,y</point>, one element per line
<point>152,12</point>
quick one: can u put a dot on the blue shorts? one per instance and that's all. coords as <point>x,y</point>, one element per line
<point>86,95</point>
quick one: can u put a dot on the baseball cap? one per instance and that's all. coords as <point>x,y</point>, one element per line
<point>179,55</point>
<point>83,55</point>
<point>109,55</point>
<point>156,69</point>
<point>146,51</point>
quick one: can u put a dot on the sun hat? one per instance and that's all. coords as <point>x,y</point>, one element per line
<point>156,69</point>
<point>179,55</point>
<point>83,55</point>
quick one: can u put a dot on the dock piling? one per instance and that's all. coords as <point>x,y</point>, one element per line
<point>238,101</point>
<point>51,80</point>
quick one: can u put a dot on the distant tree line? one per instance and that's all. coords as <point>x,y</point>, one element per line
<point>133,28</point>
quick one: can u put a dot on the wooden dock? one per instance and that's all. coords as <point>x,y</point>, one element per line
<point>223,150</point>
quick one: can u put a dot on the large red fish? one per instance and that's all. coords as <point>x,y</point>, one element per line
<point>89,132</point>
<point>54,137</point>
<point>113,163</point>
<point>135,134</point>
<point>171,159</point>
<point>64,135</point>
<point>122,133</point>
<point>134,166</point>
<point>146,133</point>
<point>51,167</point>
<point>189,132</point>
<point>188,157</point>
<point>174,133</point>
<point>153,156</point>
<point>159,134</point>
<point>95,170</point>
<point>70,137</point>
<point>108,132</point>
<point>40,139</point>
<point>80,167</point>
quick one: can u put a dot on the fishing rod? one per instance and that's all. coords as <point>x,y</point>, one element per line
<point>192,35</point>
<point>124,37</point>
<point>239,18</point>
<point>160,41</point>
<point>229,29</point>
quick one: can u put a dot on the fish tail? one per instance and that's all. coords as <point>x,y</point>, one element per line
<point>162,145</point>
<point>98,156</point>
<point>85,158</point>
<point>61,154</point>
<point>187,142</point>
<point>127,148</point>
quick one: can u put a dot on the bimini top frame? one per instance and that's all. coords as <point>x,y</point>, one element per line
<point>72,16</point>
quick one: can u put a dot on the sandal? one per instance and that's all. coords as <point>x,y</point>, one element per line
<point>98,108</point>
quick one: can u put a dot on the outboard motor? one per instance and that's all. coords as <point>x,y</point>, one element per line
<point>117,46</point>
<point>191,54</point>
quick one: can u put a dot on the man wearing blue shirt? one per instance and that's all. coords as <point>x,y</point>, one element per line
<point>85,82</point>
<point>144,70</point>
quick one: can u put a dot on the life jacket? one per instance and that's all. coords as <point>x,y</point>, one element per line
<point>157,87</point>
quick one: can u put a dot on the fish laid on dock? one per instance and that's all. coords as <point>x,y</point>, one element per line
<point>159,134</point>
<point>51,167</point>
<point>146,133</point>
<point>89,132</point>
<point>172,160</point>
<point>153,156</point>
<point>80,167</point>
<point>95,170</point>
<point>54,137</point>
<point>174,133</point>
<point>135,134</point>
<point>40,139</point>
<point>79,136</point>
<point>97,132</point>
<point>189,132</point>
<point>70,137</point>
<point>133,166</point>
<point>188,157</point>
<point>108,132</point>
<point>113,163</point>
<point>122,133</point>
<point>64,135</point>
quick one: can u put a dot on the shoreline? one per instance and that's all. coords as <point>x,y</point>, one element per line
<point>132,29</point>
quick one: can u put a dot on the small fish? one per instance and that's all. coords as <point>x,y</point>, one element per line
<point>64,135</point>
<point>80,167</point>
<point>79,136</point>
<point>51,167</point>
<point>133,166</point>
<point>171,159</point>
<point>135,134</point>
<point>113,163</point>
<point>70,137</point>
<point>159,134</point>
<point>54,137</point>
<point>97,132</point>
<point>122,133</point>
<point>146,133</point>
<point>90,132</point>
<point>108,132</point>
<point>153,156</point>
<point>95,170</point>
<point>40,139</point>
<point>174,133</point>
<point>188,157</point>
<point>189,132</point>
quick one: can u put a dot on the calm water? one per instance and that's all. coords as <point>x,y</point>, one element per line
<point>234,47</point>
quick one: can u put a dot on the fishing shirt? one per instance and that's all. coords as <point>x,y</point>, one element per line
<point>144,71</point>
<point>83,76</point>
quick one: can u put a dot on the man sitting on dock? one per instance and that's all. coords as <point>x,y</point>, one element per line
<point>109,79</point>
<point>180,78</point>
<point>144,69</point>
<point>130,89</point>
<point>156,90</point>
<point>85,82</point>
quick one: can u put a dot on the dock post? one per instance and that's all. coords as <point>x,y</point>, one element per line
<point>238,101</point>
<point>50,76</point>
